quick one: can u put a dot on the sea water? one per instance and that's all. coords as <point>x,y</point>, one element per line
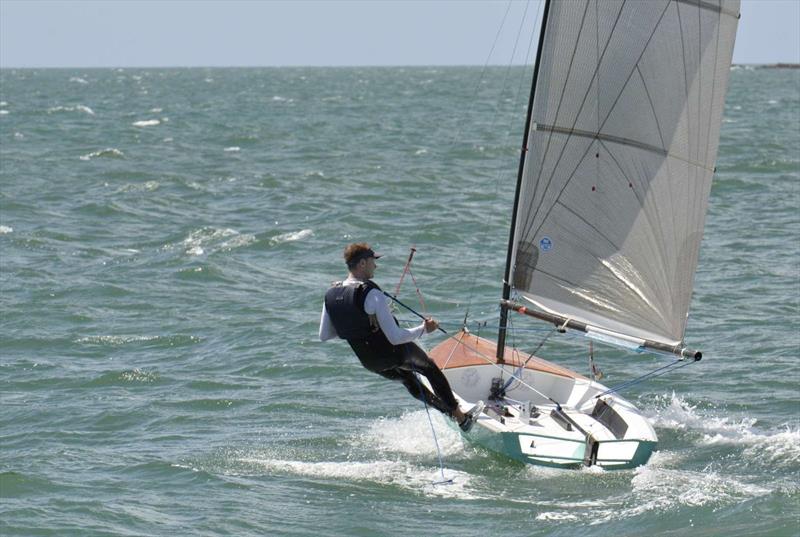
<point>166,237</point>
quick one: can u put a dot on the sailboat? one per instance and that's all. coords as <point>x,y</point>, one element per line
<point>618,155</point>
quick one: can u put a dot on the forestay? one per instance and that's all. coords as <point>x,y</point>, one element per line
<point>622,147</point>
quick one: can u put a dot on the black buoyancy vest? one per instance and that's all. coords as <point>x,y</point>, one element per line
<point>345,307</point>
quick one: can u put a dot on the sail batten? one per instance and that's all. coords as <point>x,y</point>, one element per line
<point>621,150</point>
<point>596,135</point>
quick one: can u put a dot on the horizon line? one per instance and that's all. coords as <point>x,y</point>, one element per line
<point>342,66</point>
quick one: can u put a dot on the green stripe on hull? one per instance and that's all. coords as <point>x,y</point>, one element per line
<point>509,445</point>
<point>640,457</point>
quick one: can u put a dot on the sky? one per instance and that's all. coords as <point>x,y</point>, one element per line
<point>187,33</point>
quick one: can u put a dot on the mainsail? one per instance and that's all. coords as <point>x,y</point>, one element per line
<point>620,154</point>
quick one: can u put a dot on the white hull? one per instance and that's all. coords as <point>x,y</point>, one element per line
<point>526,424</point>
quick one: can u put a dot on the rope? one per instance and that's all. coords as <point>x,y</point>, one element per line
<point>652,374</point>
<point>473,349</point>
<point>522,367</point>
<point>444,480</point>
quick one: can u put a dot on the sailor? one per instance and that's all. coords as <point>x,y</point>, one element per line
<point>357,310</point>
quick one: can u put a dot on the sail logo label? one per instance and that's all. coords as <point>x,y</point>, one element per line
<point>545,244</point>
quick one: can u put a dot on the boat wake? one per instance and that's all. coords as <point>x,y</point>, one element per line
<point>411,435</point>
<point>773,447</point>
<point>398,473</point>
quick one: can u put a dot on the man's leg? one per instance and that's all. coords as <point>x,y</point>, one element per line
<point>416,388</point>
<point>417,361</point>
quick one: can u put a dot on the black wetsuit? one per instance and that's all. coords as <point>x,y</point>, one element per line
<point>345,307</point>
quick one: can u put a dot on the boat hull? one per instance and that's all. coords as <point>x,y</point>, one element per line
<point>548,415</point>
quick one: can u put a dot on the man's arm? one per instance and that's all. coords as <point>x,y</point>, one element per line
<point>326,328</point>
<point>376,304</point>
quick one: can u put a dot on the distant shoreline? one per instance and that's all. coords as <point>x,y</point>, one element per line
<point>779,66</point>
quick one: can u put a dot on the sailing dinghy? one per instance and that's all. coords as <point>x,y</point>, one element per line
<point>615,172</point>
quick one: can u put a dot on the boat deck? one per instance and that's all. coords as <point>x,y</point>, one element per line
<point>465,349</point>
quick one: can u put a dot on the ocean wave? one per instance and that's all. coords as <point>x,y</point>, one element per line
<point>115,341</point>
<point>128,376</point>
<point>292,236</point>
<point>776,447</point>
<point>4,112</point>
<point>78,80</point>
<point>109,152</point>
<point>388,472</point>
<point>659,488</point>
<point>77,108</point>
<point>147,186</point>
<point>215,239</point>
<point>146,123</point>
<point>233,149</point>
<point>4,230</point>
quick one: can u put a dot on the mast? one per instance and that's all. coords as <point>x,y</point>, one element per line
<point>501,336</point>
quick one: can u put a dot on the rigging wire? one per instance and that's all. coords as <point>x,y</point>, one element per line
<point>677,364</point>
<point>502,172</point>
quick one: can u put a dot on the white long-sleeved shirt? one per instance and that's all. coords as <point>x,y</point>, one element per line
<point>376,304</point>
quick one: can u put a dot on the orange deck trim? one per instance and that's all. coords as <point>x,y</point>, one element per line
<point>465,349</point>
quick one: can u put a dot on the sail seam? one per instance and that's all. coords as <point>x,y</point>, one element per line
<point>610,111</point>
<point>656,207</point>
<point>592,226</point>
<point>533,214</point>
<point>641,204</point>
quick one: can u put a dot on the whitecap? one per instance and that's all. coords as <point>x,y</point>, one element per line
<point>147,186</point>
<point>156,110</point>
<point>3,112</point>
<point>292,236</point>
<point>78,108</point>
<point>3,103</point>
<point>78,79</point>
<point>556,516</point>
<point>146,123</point>
<point>4,230</point>
<point>233,149</point>
<point>115,340</point>
<point>19,136</point>
<point>421,152</point>
<point>237,242</point>
<point>215,239</point>
<point>109,152</point>
<point>772,101</point>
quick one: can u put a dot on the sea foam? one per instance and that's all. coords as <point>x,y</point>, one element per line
<point>292,236</point>
<point>109,152</point>
<point>78,108</point>
<point>146,123</point>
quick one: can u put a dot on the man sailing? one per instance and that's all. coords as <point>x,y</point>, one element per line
<point>357,310</point>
